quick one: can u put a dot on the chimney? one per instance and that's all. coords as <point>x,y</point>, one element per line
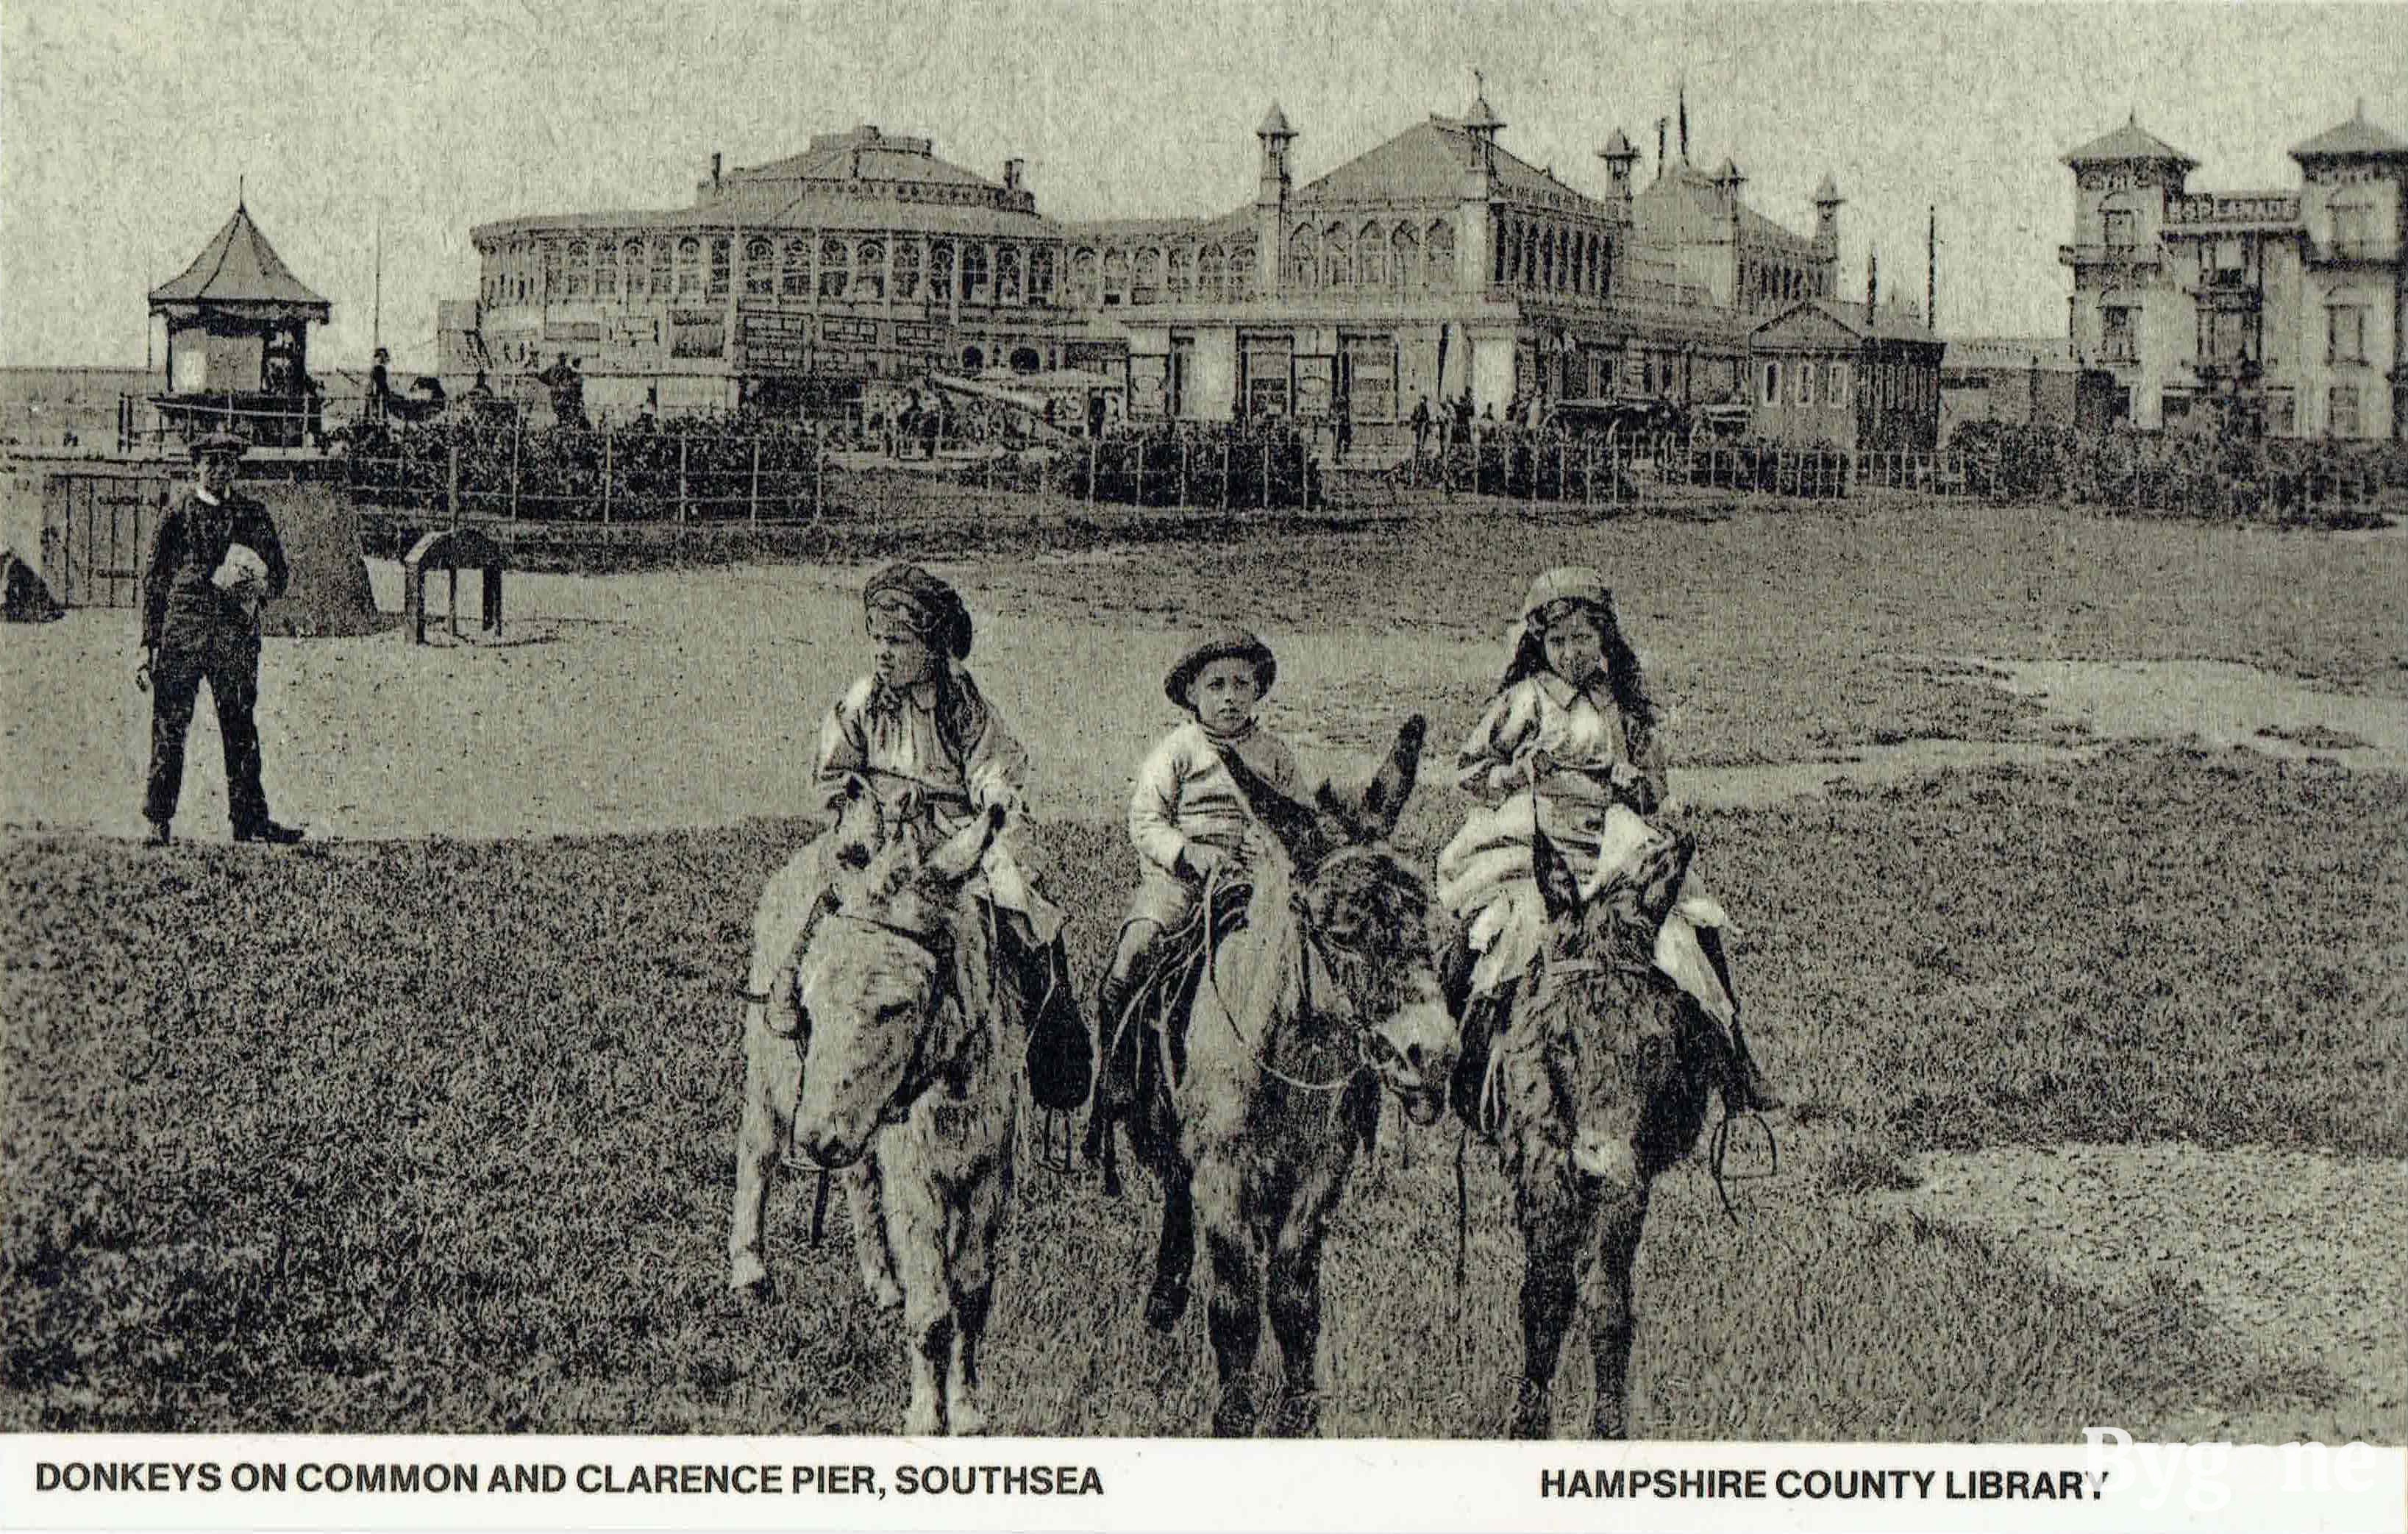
<point>1011,171</point>
<point>714,170</point>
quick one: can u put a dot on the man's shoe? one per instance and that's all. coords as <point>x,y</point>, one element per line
<point>160,835</point>
<point>268,831</point>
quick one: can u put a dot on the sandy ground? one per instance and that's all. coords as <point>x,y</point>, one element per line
<point>693,698</point>
<point>2294,1251</point>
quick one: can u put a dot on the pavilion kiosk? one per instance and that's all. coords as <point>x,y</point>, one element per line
<point>239,341</point>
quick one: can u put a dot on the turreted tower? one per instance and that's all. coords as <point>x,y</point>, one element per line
<point>1619,158</point>
<point>1270,199</point>
<point>1827,203</point>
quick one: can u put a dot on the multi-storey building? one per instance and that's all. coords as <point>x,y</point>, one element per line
<point>1434,264</point>
<point>2279,310</point>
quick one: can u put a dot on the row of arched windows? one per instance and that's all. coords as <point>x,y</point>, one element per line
<point>1111,276</point>
<point>1550,256</point>
<point>1774,285</point>
<point>1374,255</point>
<point>788,267</point>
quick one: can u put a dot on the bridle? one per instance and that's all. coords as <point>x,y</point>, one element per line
<point>1311,949</point>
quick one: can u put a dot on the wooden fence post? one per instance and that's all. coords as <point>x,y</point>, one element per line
<point>1094,445</point>
<point>607,472</point>
<point>1182,471</point>
<point>682,441</point>
<point>756,481</point>
<point>517,436</point>
<point>451,485</point>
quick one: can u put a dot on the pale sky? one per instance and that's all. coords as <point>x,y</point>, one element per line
<point>126,124</point>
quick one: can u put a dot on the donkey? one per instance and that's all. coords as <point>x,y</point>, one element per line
<point>906,1086</point>
<point>1326,992</point>
<point>1601,1082</point>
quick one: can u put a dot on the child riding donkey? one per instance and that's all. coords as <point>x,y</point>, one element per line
<point>1190,820</point>
<point>923,739</point>
<point>1567,749</point>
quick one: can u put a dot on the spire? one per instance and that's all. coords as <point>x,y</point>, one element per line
<point>1685,119</point>
<point>1827,194</point>
<point>1275,124</point>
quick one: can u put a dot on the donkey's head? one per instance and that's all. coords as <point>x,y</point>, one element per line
<point>1620,1035</point>
<point>1366,914</point>
<point>880,980</point>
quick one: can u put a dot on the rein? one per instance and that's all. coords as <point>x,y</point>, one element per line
<point>1308,947</point>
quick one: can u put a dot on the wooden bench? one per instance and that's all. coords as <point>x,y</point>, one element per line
<point>452,551</point>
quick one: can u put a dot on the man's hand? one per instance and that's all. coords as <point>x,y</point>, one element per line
<point>1540,765</point>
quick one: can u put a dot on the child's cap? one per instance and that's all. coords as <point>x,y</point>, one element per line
<point>933,609</point>
<point>1229,645</point>
<point>1565,582</point>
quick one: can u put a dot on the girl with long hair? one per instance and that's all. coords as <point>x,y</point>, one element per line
<point>1568,746</point>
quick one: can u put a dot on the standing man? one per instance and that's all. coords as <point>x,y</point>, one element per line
<point>214,558</point>
<point>1342,416</point>
<point>1421,427</point>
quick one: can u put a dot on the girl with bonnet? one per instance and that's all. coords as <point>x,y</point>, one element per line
<point>919,734</point>
<point>1568,744</point>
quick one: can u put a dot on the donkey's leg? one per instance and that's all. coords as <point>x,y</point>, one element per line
<point>986,1207</point>
<point>1605,1294</point>
<point>773,1077</point>
<point>1294,1304</point>
<point>915,1226</point>
<point>871,1248</point>
<point>1174,1260</point>
<point>1234,1316</point>
<point>1552,1224</point>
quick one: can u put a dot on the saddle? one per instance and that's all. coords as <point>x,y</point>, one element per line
<point>1145,1047</point>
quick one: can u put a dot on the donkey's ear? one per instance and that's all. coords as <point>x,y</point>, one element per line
<point>1559,891</point>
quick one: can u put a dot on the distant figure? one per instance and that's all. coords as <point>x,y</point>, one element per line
<point>380,386</point>
<point>1342,418</point>
<point>1421,425</point>
<point>1096,414</point>
<point>1488,413</point>
<point>214,558</point>
<point>567,386</point>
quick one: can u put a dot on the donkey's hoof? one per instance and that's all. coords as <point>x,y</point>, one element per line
<point>884,1293</point>
<point>1165,1306</point>
<point>756,1292</point>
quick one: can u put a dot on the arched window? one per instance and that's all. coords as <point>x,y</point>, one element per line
<point>1146,288</point>
<point>1773,383</point>
<point>1372,268</point>
<point>573,275</point>
<point>1437,254</point>
<point>795,277</point>
<point>940,270</point>
<point>836,268</point>
<point>1086,283</point>
<point>689,266</point>
<point>1117,277</point>
<point>869,270</point>
<point>1303,257</point>
<point>1179,275</point>
<point>606,269</point>
<point>975,289</point>
<point>1407,248</point>
<point>972,358</point>
<point>720,252</point>
<point>1336,257</point>
<point>760,267</point>
<point>1211,268</point>
<point>1040,275</point>
<point>1242,274</point>
<point>661,269</point>
<point>1025,360</point>
<point>907,269</point>
<point>1007,274</point>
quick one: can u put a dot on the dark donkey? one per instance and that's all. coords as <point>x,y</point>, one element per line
<point>1600,1081</point>
<point>1326,992</point>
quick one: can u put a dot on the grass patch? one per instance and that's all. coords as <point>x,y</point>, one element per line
<point>2315,737</point>
<point>436,1137</point>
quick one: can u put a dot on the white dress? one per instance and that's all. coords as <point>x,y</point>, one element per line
<point>1485,876</point>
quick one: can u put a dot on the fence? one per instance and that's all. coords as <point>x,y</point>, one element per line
<point>636,475</point>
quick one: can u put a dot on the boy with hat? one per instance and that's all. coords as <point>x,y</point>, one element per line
<point>1187,815</point>
<point>214,558</point>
